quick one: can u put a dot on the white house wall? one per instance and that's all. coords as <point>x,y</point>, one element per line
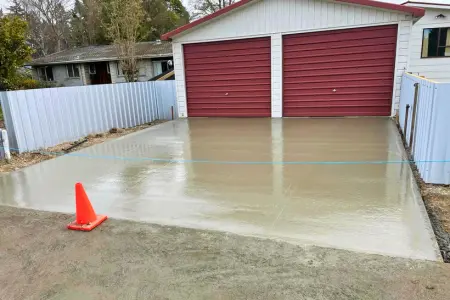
<point>145,67</point>
<point>61,76</point>
<point>438,68</point>
<point>277,17</point>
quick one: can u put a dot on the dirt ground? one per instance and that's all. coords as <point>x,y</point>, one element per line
<point>40,259</point>
<point>437,202</point>
<point>19,161</point>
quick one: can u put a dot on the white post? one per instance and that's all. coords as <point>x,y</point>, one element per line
<point>5,146</point>
<point>277,75</point>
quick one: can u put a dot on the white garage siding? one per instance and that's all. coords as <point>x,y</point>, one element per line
<point>432,68</point>
<point>277,17</point>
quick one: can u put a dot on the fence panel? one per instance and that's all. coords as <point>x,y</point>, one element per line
<point>43,118</point>
<point>430,139</point>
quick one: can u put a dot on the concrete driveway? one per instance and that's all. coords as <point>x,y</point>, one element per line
<point>306,181</point>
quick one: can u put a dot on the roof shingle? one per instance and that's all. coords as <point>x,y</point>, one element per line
<point>103,53</point>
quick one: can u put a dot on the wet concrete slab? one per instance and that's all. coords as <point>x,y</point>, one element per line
<point>244,176</point>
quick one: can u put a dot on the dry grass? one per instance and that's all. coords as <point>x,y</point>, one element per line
<point>438,199</point>
<point>19,161</point>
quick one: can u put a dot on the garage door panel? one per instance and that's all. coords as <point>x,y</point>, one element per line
<point>222,100</point>
<point>344,52</point>
<point>248,89</point>
<point>228,79</point>
<point>231,112</point>
<point>342,60</point>
<point>243,81</point>
<point>333,79</point>
<point>342,86</point>
<point>315,74</point>
<point>354,65</point>
<point>220,54</point>
<point>340,35</point>
<point>341,91</point>
<point>228,47</point>
<point>236,105</point>
<point>227,59</point>
<point>339,73</point>
<point>209,73</point>
<point>340,97</point>
<point>256,78</point>
<point>229,67</point>
<point>212,94</point>
<point>343,44</point>
<point>333,112</point>
<point>346,103</point>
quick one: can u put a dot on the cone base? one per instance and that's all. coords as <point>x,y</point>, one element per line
<point>87,227</point>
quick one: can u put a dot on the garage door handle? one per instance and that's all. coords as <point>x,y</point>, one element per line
<point>334,90</point>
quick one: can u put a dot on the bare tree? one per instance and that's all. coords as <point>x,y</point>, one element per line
<point>48,19</point>
<point>122,24</point>
<point>205,7</point>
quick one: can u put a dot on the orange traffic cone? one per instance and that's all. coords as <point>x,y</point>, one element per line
<point>86,219</point>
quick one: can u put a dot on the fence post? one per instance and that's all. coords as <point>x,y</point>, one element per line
<point>413,119</point>
<point>5,144</point>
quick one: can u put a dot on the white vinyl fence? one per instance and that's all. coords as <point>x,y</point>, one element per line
<point>42,118</point>
<point>4,145</point>
<point>428,132</point>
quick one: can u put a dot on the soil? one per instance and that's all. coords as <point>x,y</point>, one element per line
<point>41,259</point>
<point>437,202</point>
<point>436,198</point>
<point>19,161</point>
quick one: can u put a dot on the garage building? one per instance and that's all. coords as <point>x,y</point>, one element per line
<point>293,58</point>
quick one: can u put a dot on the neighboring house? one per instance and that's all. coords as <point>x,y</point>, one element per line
<point>100,65</point>
<point>302,58</point>
<point>430,41</point>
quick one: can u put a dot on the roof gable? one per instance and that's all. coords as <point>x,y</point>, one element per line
<point>414,11</point>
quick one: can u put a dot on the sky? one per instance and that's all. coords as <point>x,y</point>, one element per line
<point>3,3</point>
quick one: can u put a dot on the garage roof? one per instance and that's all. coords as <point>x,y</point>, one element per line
<point>427,2</point>
<point>415,11</point>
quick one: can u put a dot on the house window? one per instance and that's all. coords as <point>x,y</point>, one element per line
<point>45,73</point>
<point>436,42</point>
<point>73,71</point>
<point>92,69</point>
<point>161,66</point>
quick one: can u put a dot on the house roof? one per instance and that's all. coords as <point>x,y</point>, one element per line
<point>103,53</point>
<point>415,11</point>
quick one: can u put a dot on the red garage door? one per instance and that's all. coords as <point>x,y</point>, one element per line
<point>228,79</point>
<point>339,73</point>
